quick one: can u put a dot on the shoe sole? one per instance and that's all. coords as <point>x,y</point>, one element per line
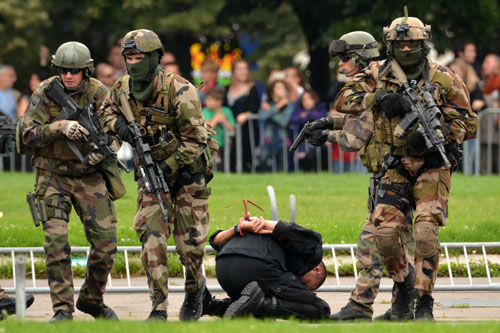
<point>246,294</point>
<point>12,309</point>
<point>110,316</point>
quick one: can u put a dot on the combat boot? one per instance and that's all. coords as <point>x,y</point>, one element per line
<point>192,307</point>
<point>8,304</point>
<point>402,308</point>
<point>96,311</point>
<point>61,316</point>
<point>213,306</point>
<point>157,315</point>
<point>424,307</point>
<point>352,311</point>
<point>385,316</point>
<point>251,302</point>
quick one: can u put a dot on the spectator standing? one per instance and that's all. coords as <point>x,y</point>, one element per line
<point>209,74</point>
<point>491,90</point>
<point>295,80</point>
<point>219,118</point>
<point>308,108</point>
<point>169,63</point>
<point>115,59</point>
<point>242,97</point>
<point>9,97</point>
<point>105,73</point>
<point>276,113</point>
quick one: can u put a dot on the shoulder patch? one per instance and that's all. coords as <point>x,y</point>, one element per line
<point>34,101</point>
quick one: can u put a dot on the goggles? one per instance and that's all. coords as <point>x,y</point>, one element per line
<point>64,71</point>
<point>339,47</point>
<point>400,44</point>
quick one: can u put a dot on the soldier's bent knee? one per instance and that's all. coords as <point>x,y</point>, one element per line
<point>387,241</point>
<point>426,240</point>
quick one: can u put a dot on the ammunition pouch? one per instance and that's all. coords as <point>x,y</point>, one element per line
<point>163,150</point>
<point>113,177</point>
<point>372,155</point>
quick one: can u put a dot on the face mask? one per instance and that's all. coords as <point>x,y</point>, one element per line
<point>413,61</point>
<point>142,75</point>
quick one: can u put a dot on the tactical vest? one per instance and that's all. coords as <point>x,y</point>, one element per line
<point>157,124</point>
<point>385,127</point>
<point>59,149</point>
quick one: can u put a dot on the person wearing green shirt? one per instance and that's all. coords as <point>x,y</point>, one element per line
<point>218,117</point>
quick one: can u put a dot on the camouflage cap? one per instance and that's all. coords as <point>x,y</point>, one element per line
<point>73,55</point>
<point>407,28</point>
<point>141,41</point>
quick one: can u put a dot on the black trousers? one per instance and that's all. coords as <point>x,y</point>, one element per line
<point>294,299</point>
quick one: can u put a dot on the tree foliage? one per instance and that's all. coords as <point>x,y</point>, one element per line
<point>281,27</point>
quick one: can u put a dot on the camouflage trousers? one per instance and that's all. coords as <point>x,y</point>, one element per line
<point>430,192</point>
<point>93,205</point>
<point>371,266</point>
<point>188,220</point>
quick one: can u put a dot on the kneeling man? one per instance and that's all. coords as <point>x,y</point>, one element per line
<point>268,269</point>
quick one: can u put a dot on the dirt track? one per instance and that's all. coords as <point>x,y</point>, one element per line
<point>136,306</point>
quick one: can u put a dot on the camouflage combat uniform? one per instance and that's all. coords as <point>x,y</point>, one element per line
<point>426,185</point>
<point>62,181</point>
<point>176,109</point>
<point>352,130</point>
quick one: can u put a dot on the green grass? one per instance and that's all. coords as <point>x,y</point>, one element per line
<point>249,325</point>
<point>333,204</point>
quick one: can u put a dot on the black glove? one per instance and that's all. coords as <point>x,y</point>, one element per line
<point>121,128</point>
<point>416,140</point>
<point>391,103</point>
<point>318,137</point>
<point>318,124</point>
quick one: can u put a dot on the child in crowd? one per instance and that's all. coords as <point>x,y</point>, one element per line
<point>276,112</point>
<point>219,117</point>
<point>209,73</point>
<point>309,108</point>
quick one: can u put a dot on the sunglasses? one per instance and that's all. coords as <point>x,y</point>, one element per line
<point>410,43</point>
<point>64,71</point>
<point>345,57</point>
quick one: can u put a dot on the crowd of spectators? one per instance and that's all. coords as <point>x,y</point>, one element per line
<point>268,117</point>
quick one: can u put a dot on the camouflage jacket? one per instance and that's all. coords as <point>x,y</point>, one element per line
<point>46,142</point>
<point>173,106</point>
<point>450,95</point>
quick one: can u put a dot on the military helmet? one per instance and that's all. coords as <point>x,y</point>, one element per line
<point>407,28</point>
<point>73,55</point>
<point>359,42</point>
<point>141,41</point>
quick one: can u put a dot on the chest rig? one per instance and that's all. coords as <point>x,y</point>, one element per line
<point>385,128</point>
<point>156,119</point>
<point>59,149</point>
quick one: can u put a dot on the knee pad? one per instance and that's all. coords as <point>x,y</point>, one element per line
<point>426,240</point>
<point>387,241</point>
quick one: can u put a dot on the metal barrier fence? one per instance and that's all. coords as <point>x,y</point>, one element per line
<point>332,248</point>
<point>491,130</point>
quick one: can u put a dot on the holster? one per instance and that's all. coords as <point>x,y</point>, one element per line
<point>37,208</point>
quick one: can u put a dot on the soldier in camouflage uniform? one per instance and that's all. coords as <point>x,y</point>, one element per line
<point>416,176</point>
<point>167,107</point>
<point>63,181</point>
<point>356,49</point>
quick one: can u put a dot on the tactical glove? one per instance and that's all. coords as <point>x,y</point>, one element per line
<point>416,140</point>
<point>72,129</point>
<point>318,124</point>
<point>391,103</point>
<point>318,137</point>
<point>122,129</point>
<point>95,157</point>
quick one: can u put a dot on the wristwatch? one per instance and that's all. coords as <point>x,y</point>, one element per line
<point>236,230</point>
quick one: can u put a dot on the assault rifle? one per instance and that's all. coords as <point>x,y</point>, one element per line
<point>151,175</point>
<point>427,119</point>
<point>301,137</point>
<point>86,117</point>
<point>7,133</point>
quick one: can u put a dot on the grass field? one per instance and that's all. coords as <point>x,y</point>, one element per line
<point>250,325</point>
<point>333,204</point>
